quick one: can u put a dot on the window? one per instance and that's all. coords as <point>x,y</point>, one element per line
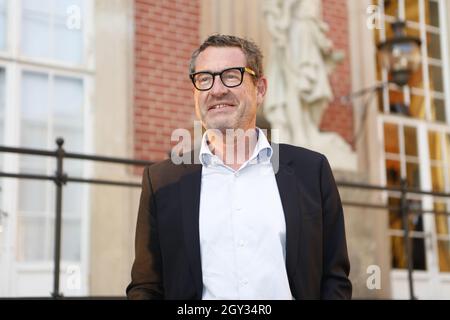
<point>3,22</point>
<point>415,123</point>
<point>439,150</point>
<point>2,103</point>
<point>47,31</point>
<point>423,98</point>
<point>401,154</point>
<point>52,106</point>
<point>2,129</point>
<point>49,81</point>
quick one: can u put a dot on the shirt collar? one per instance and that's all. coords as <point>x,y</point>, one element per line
<point>261,154</point>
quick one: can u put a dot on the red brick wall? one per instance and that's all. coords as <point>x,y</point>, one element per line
<point>337,117</point>
<point>166,33</point>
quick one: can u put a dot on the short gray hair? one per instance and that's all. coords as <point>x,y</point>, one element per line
<point>249,48</point>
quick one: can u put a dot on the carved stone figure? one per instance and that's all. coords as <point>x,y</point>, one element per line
<point>299,91</point>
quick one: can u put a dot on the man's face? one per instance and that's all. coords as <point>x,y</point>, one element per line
<point>238,104</point>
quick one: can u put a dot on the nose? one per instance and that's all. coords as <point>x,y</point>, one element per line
<point>218,88</point>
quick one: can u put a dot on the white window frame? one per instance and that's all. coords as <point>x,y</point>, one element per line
<point>424,281</point>
<point>14,64</point>
<point>432,275</point>
<point>426,61</point>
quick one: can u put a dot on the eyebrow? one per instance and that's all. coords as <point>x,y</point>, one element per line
<point>218,70</point>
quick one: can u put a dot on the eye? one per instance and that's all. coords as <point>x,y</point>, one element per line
<point>232,75</point>
<point>203,78</point>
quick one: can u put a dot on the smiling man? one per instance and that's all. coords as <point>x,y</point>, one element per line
<point>253,220</point>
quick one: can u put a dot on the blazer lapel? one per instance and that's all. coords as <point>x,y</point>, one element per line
<point>289,194</point>
<point>190,185</point>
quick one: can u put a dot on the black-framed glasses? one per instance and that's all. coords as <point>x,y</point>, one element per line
<point>230,77</point>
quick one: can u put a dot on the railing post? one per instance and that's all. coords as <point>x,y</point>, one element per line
<point>407,240</point>
<point>60,179</point>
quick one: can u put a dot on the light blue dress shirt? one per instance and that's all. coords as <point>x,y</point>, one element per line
<point>242,228</point>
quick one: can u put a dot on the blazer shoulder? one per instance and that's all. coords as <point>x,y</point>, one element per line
<point>166,171</point>
<point>300,154</point>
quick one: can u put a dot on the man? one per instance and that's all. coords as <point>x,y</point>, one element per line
<point>238,225</point>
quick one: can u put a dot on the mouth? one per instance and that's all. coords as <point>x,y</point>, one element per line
<point>220,107</point>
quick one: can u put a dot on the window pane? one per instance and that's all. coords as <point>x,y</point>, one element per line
<point>397,242</point>
<point>68,33</point>
<point>52,29</point>
<point>36,28</point>
<point>391,144</point>
<point>68,114</point>
<point>434,45</point>
<point>412,10</point>
<point>393,174</point>
<point>399,260</point>
<point>68,100</point>
<point>32,239</point>
<point>73,197</point>
<point>416,80</point>
<point>437,178</point>
<point>447,147</point>
<point>395,218</point>
<point>441,220</point>
<point>35,97</point>
<point>2,105</point>
<point>413,175</point>
<point>33,134</point>
<point>444,255</point>
<point>438,110</point>
<point>46,101</point>
<point>391,8</point>
<point>32,195</point>
<point>2,126</point>
<point>3,10</point>
<point>432,13</point>
<point>434,143</point>
<point>436,83</point>
<point>71,240</point>
<point>417,107</point>
<point>410,141</point>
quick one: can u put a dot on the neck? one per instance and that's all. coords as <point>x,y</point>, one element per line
<point>234,147</point>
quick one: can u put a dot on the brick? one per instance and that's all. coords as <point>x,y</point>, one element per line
<point>337,118</point>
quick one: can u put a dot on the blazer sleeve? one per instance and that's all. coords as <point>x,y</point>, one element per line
<point>336,266</point>
<point>146,273</point>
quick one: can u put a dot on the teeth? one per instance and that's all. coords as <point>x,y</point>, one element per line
<point>219,106</point>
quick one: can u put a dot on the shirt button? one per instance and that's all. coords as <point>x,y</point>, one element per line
<point>244,282</point>
<point>241,243</point>
<point>236,174</point>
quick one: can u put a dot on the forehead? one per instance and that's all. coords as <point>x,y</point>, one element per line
<point>219,58</point>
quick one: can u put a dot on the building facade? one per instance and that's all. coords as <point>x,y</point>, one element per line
<point>111,77</point>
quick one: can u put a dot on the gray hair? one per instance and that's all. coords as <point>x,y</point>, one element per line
<point>250,49</point>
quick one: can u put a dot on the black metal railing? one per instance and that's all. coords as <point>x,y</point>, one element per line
<point>404,209</point>
<point>60,179</point>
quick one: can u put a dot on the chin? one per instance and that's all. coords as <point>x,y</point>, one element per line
<point>220,125</point>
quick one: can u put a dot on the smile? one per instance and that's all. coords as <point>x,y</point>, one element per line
<point>220,106</point>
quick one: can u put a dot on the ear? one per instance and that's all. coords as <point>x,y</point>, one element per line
<point>261,89</point>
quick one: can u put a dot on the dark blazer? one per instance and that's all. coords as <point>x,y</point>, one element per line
<point>167,263</point>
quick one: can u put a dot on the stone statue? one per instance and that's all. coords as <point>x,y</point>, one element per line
<point>299,91</point>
